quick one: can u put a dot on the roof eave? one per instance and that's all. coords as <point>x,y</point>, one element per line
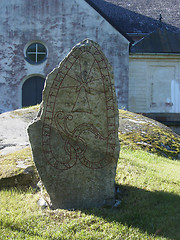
<point>109,21</point>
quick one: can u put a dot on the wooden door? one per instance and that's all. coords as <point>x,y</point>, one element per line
<point>32,91</point>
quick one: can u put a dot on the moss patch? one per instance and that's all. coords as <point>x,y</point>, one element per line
<point>139,132</point>
<point>135,132</point>
<point>12,159</point>
<point>26,113</point>
<point>17,169</point>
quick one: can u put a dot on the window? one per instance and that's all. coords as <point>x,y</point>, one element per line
<point>36,53</point>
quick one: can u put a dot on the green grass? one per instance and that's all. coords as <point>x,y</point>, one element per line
<point>149,192</point>
<point>150,206</point>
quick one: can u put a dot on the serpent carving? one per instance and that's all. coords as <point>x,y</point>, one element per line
<point>75,145</point>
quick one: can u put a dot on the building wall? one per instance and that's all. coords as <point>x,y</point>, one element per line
<point>154,83</point>
<point>59,25</point>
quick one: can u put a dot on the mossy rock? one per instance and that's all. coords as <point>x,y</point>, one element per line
<point>18,170</point>
<point>139,132</point>
<point>135,131</point>
<point>26,113</point>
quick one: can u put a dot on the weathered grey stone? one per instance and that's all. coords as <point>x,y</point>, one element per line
<point>74,139</point>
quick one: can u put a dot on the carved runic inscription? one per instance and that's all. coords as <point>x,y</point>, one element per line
<point>79,125</point>
<point>74,139</point>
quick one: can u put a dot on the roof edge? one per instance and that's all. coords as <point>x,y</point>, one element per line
<point>159,41</point>
<point>109,20</point>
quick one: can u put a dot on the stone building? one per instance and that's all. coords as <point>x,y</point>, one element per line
<point>154,60</point>
<point>154,77</point>
<point>37,35</point>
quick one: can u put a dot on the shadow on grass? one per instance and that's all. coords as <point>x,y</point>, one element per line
<point>156,213</point>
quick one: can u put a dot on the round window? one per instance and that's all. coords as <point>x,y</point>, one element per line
<point>36,53</point>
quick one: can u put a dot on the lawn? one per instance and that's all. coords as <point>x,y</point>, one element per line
<point>148,188</point>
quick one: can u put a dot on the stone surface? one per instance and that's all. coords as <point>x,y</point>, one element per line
<point>13,127</point>
<point>17,174</point>
<point>74,139</point>
<point>59,25</point>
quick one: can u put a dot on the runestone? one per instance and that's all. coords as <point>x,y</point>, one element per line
<point>74,138</point>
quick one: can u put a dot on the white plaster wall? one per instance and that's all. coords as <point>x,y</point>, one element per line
<point>154,83</point>
<point>59,25</point>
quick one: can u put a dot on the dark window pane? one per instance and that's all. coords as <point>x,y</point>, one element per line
<point>41,48</point>
<point>40,57</point>
<point>32,57</point>
<point>32,48</point>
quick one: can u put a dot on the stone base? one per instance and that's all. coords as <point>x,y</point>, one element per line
<point>80,190</point>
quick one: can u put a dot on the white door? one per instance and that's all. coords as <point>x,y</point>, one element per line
<point>162,97</point>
